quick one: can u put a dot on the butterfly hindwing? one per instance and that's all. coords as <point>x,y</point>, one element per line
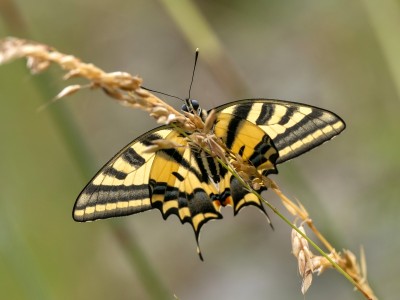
<point>178,186</point>
<point>255,148</point>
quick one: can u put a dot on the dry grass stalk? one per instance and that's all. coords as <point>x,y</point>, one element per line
<point>345,259</point>
<point>127,90</point>
<point>121,86</point>
<point>308,262</point>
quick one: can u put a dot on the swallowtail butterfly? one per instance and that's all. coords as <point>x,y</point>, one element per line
<point>191,184</point>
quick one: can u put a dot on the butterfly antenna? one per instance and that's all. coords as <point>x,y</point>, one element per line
<point>196,56</point>
<point>150,90</point>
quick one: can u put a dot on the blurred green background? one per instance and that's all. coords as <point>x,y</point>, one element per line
<point>339,55</point>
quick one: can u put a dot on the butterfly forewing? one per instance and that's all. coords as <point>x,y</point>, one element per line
<point>121,186</point>
<point>293,127</point>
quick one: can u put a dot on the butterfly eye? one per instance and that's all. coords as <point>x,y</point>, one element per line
<point>184,108</point>
<point>195,105</point>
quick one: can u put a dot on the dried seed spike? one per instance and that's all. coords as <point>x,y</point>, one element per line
<point>159,110</point>
<point>69,90</point>
<point>71,74</point>
<point>209,123</point>
<point>307,280</point>
<point>363,263</point>
<point>305,258</point>
<point>65,92</point>
<point>216,148</point>
<point>296,245</point>
<point>36,65</point>
<point>151,149</point>
<point>161,144</point>
<point>256,185</point>
<point>161,119</point>
<point>301,260</point>
<point>195,119</point>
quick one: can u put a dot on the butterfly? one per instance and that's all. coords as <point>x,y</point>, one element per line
<point>190,183</point>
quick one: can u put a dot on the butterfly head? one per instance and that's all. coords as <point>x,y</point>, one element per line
<point>192,106</point>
